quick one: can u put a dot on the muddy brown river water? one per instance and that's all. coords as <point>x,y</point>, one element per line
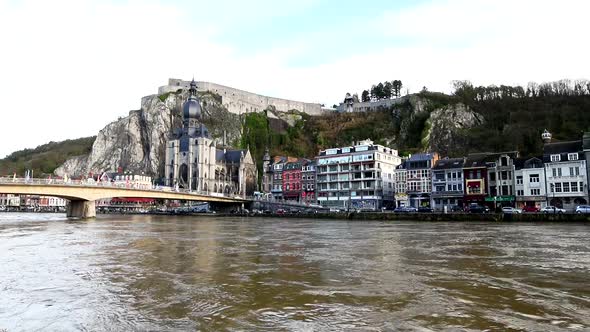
<point>164,273</point>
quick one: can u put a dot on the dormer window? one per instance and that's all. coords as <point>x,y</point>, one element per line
<point>555,157</point>
<point>572,156</point>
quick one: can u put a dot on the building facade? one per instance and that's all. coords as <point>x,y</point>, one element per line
<point>501,190</point>
<point>308,182</point>
<point>529,182</point>
<point>475,175</point>
<point>419,178</point>
<point>447,184</point>
<point>194,163</point>
<point>352,177</point>
<point>566,173</point>
<point>400,185</point>
<point>292,186</point>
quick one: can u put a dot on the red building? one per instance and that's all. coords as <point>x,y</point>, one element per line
<point>292,181</point>
<point>475,173</point>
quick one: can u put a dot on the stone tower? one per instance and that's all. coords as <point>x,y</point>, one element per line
<point>546,136</point>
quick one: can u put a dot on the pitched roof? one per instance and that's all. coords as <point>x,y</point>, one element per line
<point>449,163</point>
<point>562,147</point>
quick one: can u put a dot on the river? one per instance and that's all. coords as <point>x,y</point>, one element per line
<point>165,273</point>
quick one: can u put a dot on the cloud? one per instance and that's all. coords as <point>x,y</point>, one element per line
<point>70,67</point>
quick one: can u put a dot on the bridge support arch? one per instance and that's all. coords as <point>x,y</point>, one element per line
<point>81,209</point>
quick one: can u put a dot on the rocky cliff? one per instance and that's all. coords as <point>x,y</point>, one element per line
<point>137,142</point>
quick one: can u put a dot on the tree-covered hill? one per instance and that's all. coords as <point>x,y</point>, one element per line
<point>513,119</point>
<point>44,159</point>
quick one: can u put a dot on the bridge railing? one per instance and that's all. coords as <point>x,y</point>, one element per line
<point>121,185</point>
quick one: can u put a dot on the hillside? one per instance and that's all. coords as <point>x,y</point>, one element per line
<point>472,119</point>
<point>44,159</point>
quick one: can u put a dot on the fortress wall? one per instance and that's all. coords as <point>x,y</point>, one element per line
<point>240,101</point>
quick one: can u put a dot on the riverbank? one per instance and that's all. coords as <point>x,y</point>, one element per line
<point>433,217</point>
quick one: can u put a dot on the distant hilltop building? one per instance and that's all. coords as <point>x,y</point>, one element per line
<point>193,161</point>
<point>352,104</point>
<point>240,101</point>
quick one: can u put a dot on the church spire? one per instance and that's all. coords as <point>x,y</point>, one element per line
<point>193,89</point>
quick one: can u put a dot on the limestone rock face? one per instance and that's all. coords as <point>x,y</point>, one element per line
<point>445,126</point>
<point>137,142</point>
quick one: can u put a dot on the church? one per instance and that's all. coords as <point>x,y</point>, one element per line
<point>193,162</point>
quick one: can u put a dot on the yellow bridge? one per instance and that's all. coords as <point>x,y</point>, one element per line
<point>82,195</point>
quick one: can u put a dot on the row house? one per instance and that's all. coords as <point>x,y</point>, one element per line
<point>275,182</point>
<point>475,173</point>
<point>400,185</point>
<point>292,185</point>
<point>566,173</point>
<point>500,182</point>
<point>419,178</point>
<point>308,181</point>
<point>447,184</point>
<point>354,177</point>
<point>529,175</point>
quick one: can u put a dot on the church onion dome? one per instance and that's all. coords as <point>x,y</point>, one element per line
<point>192,108</point>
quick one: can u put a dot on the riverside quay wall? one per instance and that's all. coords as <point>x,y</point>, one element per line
<point>429,217</point>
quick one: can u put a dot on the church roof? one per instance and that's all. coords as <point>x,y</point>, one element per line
<point>229,156</point>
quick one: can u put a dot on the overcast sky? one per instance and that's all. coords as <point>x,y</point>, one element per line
<point>68,68</point>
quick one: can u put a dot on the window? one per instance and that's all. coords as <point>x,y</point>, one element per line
<point>492,176</point>
<point>577,169</point>
<point>559,171</point>
<point>519,179</point>
<point>520,193</point>
<point>554,172</point>
<point>574,186</point>
<point>535,192</point>
<point>534,178</point>
<point>454,187</point>
<point>555,157</point>
<point>558,187</point>
<point>566,187</point>
<point>460,187</point>
<point>572,156</point>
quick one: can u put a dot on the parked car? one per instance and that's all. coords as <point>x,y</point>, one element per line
<point>280,211</point>
<point>2,208</point>
<point>511,210</point>
<point>425,209</point>
<point>552,209</point>
<point>530,208</point>
<point>405,209</point>
<point>456,208</point>
<point>583,209</point>
<point>476,208</point>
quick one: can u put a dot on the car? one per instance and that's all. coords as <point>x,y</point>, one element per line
<point>280,211</point>
<point>530,208</point>
<point>425,209</point>
<point>552,209</point>
<point>456,208</point>
<point>511,210</point>
<point>2,208</point>
<point>583,209</point>
<point>334,210</point>
<point>405,209</point>
<point>476,208</point>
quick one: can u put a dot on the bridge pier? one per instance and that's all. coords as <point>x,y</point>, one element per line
<point>81,209</point>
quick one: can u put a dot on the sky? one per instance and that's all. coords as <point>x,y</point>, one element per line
<point>70,67</point>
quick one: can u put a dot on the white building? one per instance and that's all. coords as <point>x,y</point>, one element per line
<point>400,185</point>
<point>9,200</point>
<point>529,182</point>
<point>358,177</point>
<point>565,171</point>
